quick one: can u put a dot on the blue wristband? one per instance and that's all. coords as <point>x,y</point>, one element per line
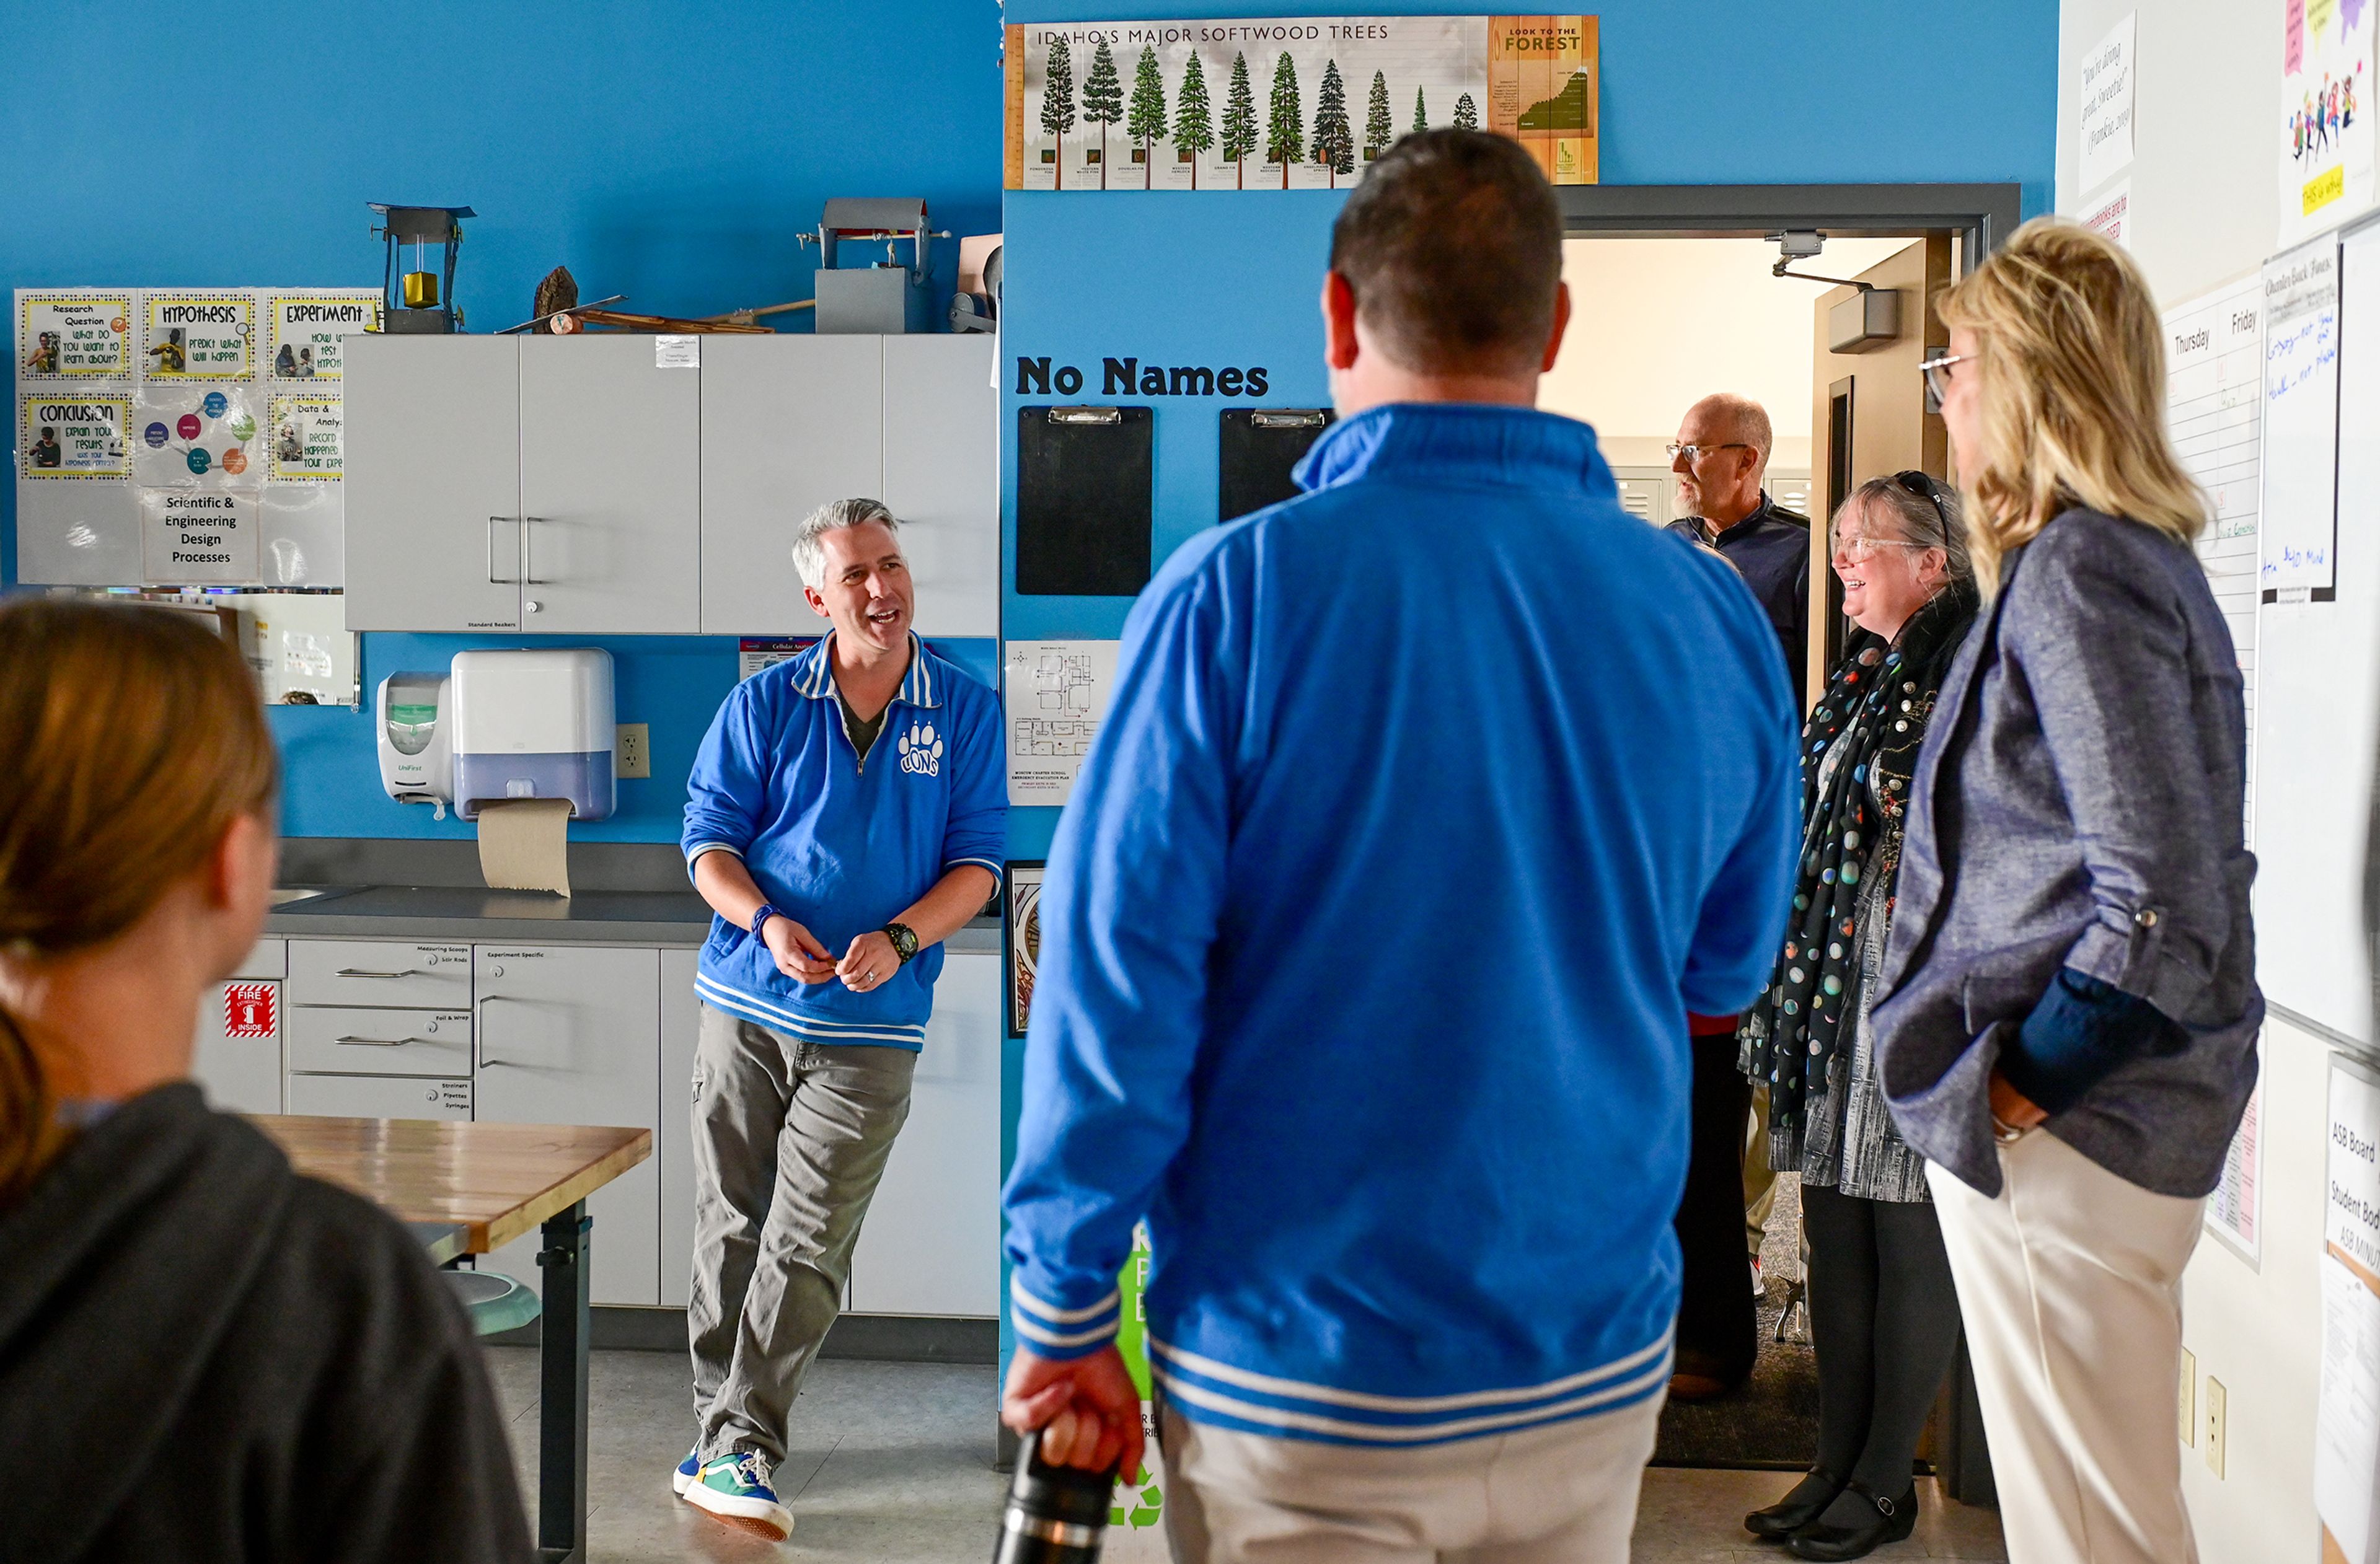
<point>761,915</point>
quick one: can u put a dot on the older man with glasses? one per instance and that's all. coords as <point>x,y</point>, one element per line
<point>1720,456</point>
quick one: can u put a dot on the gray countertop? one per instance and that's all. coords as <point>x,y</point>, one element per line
<point>460,913</point>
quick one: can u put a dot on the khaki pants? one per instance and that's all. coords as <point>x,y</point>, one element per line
<point>1759,1178</point>
<point>2070,1287</point>
<point>1560,1494</point>
<point>790,1138</point>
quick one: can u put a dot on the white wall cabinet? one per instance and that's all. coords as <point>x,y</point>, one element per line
<point>571,486</point>
<point>674,1141</point>
<point>932,1242</point>
<point>432,480</point>
<point>238,1057</point>
<point>569,1034</point>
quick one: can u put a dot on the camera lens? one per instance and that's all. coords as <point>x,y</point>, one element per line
<point>1055,1514</point>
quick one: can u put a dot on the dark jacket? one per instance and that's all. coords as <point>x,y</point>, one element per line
<point>1770,548</point>
<point>2078,803</point>
<point>205,1357</point>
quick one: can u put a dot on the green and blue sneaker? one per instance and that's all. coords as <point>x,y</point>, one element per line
<point>687,1471</point>
<point>736,1488</point>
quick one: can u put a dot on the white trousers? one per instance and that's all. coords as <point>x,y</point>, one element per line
<point>1565,1492</point>
<point>2069,1283</point>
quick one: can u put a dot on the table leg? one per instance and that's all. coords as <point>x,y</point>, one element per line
<point>562,1389</point>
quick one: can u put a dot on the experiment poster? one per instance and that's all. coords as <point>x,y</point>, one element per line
<point>1288,103</point>
<point>74,336</point>
<point>2324,121</point>
<point>197,336</point>
<point>66,435</point>
<point>305,331</point>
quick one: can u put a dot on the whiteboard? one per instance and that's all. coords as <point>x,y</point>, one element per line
<point>2318,665</point>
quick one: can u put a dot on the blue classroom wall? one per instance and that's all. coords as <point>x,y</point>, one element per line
<point>1749,91</point>
<point>669,151</point>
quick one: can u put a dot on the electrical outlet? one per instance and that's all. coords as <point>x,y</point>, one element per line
<point>2215,1412</point>
<point>633,757</point>
<point>2187,1406</point>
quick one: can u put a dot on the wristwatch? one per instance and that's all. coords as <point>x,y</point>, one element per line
<point>905,940</point>
<point>761,915</point>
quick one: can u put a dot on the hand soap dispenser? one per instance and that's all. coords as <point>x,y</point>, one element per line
<point>416,759</point>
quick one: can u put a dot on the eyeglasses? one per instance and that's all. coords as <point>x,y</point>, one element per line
<point>1696,452</point>
<point>1859,550</point>
<point>1938,378</point>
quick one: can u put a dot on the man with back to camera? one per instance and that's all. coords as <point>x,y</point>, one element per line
<point>1367,945</point>
<point>847,813</point>
<point>1719,457</point>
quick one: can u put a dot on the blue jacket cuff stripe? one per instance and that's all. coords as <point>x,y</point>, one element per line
<point>1065,1343</point>
<point>1058,1314</point>
<point>991,864</point>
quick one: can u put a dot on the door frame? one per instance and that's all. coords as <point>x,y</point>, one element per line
<point>1984,215</point>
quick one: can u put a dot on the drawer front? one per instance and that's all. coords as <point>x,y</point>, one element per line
<point>269,958</point>
<point>352,1040</point>
<point>380,1096</point>
<point>380,972</point>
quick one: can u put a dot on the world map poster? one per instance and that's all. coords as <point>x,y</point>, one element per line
<point>1288,103</point>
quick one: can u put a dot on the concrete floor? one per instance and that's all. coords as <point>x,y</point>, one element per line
<point>893,1462</point>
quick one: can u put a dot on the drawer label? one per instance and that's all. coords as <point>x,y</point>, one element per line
<point>250,1010</point>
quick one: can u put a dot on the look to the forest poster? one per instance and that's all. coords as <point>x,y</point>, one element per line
<point>1287,103</point>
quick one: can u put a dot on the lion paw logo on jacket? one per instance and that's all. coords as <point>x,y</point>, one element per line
<point>921,750</point>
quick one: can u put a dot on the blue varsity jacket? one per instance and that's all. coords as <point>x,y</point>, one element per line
<point>838,846</point>
<point>1426,806</point>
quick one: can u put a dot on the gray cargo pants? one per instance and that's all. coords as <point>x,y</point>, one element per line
<point>790,1138</point>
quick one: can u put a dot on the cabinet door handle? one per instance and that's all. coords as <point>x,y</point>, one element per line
<point>378,1042</point>
<point>527,580</point>
<point>494,579</point>
<point>359,971</point>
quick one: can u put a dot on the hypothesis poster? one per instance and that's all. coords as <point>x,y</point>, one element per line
<point>1288,103</point>
<point>2324,121</point>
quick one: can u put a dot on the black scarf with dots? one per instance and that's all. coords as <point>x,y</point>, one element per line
<point>1871,720</point>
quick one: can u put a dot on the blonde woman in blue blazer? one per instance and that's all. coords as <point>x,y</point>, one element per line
<point>2067,1010</point>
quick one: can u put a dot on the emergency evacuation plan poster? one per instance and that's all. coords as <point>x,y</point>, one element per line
<point>1288,103</point>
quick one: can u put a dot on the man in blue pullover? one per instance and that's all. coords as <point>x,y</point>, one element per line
<point>1426,806</point>
<point>846,814</point>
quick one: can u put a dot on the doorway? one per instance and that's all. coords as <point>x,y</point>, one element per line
<point>1675,295</point>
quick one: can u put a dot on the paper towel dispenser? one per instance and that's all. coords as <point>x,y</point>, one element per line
<point>533,725</point>
<point>416,764</point>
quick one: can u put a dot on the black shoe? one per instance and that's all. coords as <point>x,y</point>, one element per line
<point>1809,1498</point>
<point>1882,1521</point>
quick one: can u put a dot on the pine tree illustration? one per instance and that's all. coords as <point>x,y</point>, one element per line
<point>1144,120</point>
<point>1193,129</point>
<point>1378,131</point>
<point>1466,114</point>
<point>1102,101</point>
<point>1284,133</point>
<point>1240,118</point>
<point>1334,141</point>
<point>1058,100</point>
<point>1421,111</point>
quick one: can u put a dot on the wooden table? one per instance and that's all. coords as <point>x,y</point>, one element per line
<point>468,1189</point>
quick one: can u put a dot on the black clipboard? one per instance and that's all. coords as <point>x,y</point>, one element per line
<point>1259,447</point>
<point>1085,495</point>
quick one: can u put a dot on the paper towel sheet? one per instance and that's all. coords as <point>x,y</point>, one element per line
<point>525,844</point>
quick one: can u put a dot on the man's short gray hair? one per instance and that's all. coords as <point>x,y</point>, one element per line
<point>809,551</point>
